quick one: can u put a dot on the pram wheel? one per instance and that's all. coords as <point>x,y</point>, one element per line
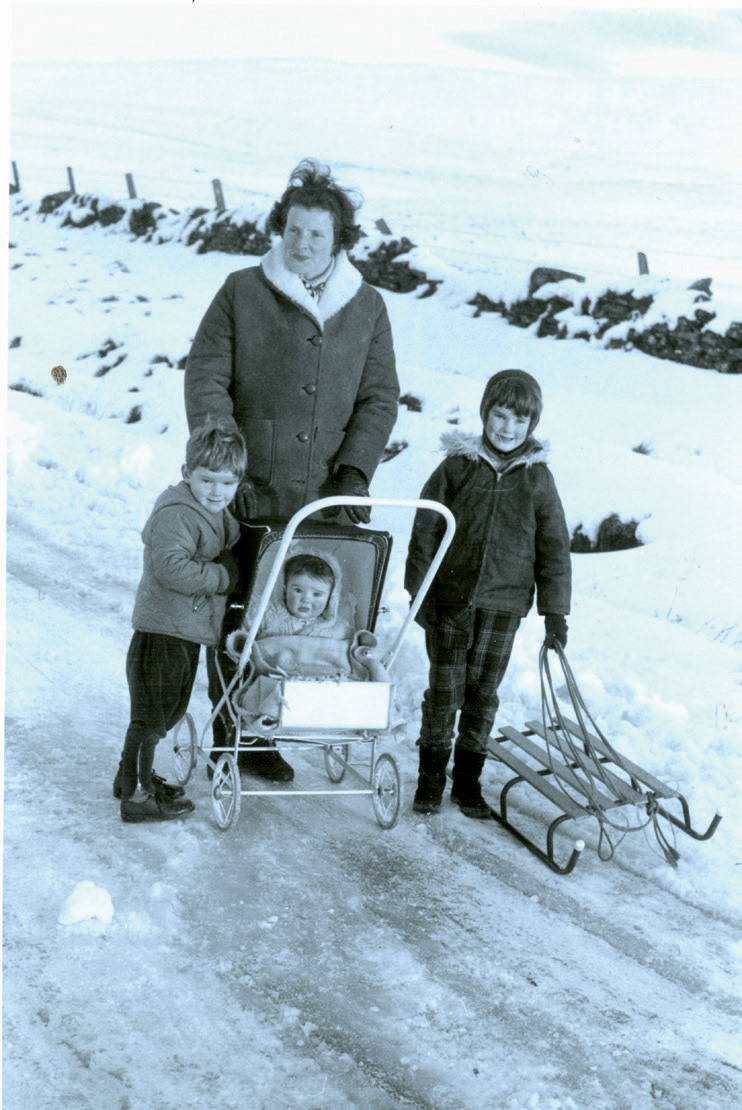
<point>386,797</point>
<point>226,791</point>
<point>335,769</point>
<point>184,741</point>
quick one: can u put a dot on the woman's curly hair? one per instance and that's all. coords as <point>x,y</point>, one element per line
<point>311,185</point>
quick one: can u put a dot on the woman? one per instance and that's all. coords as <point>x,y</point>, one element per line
<point>297,352</point>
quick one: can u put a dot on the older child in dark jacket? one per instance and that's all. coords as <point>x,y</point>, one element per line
<point>188,571</point>
<point>511,543</point>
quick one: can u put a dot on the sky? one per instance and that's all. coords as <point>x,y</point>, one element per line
<point>660,34</point>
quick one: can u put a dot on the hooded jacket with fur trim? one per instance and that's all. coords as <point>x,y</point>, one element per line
<point>511,536</point>
<point>312,385</point>
<point>182,591</point>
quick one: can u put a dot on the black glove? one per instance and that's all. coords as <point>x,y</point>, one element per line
<point>232,567</point>
<point>556,630</point>
<point>246,500</point>
<point>351,482</point>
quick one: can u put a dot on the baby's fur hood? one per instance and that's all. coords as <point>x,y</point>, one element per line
<point>471,446</point>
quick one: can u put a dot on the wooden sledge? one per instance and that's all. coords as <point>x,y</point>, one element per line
<point>592,782</point>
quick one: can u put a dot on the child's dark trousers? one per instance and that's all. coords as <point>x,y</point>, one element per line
<point>160,671</point>
<point>469,651</point>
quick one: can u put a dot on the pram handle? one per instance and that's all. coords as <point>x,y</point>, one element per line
<point>341,500</point>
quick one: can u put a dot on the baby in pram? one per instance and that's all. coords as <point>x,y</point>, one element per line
<point>310,602</point>
<point>305,632</point>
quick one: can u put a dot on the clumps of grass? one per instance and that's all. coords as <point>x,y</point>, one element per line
<point>393,449</point>
<point>613,534</point>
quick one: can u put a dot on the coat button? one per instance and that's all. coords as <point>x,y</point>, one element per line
<point>310,388</point>
<point>303,437</point>
<point>315,340</point>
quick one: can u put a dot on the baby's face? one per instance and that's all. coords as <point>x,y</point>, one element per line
<point>306,597</point>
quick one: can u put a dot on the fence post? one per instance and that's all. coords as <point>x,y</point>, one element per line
<point>218,194</point>
<point>71,179</point>
<point>16,186</point>
<point>130,186</point>
<point>643,264</point>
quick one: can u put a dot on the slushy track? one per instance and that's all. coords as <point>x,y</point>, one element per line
<point>433,966</point>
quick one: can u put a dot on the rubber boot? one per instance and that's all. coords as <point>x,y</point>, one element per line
<point>266,765</point>
<point>431,780</point>
<point>466,792</point>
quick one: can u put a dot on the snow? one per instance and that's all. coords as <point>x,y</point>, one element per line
<point>305,958</point>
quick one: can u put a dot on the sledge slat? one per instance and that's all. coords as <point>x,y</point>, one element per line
<point>659,788</point>
<point>557,797</point>
<point>559,769</point>
<point>598,770</point>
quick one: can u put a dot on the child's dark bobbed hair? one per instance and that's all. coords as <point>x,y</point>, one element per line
<point>516,390</point>
<point>311,185</point>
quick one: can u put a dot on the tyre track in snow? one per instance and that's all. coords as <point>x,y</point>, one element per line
<point>495,977</point>
<point>438,963</point>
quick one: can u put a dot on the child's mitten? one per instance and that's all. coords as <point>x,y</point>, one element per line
<point>556,630</point>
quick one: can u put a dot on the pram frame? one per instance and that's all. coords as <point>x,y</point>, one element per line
<point>381,781</point>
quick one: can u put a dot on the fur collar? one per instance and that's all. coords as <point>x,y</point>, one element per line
<point>342,285</point>
<point>471,446</point>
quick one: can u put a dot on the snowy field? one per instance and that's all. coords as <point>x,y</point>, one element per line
<point>306,959</point>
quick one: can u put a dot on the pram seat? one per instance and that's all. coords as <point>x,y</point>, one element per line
<point>286,679</point>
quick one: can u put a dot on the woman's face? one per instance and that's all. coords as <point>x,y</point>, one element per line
<point>308,241</point>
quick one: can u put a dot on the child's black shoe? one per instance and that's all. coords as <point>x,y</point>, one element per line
<point>168,789</point>
<point>154,808</point>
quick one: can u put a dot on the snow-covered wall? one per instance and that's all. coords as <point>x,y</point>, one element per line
<point>669,319</point>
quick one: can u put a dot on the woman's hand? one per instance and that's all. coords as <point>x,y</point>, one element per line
<point>351,482</point>
<point>245,501</point>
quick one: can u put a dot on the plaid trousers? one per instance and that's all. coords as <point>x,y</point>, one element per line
<point>468,650</point>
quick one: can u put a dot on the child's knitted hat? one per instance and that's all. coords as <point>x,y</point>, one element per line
<point>515,389</point>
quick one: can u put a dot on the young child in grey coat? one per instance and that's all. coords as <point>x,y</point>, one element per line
<point>511,544</point>
<point>188,571</point>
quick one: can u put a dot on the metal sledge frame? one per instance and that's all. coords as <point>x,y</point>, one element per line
<point>627,791</point>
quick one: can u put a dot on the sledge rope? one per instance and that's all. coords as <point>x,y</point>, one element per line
<point>558,736</point>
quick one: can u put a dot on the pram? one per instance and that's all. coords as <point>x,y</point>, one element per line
<point>341,714</point>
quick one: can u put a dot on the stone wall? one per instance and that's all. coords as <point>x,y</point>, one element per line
<point>551,299</point>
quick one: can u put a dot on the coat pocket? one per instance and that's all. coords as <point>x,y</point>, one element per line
<point>327,443</point>
<point>260,436</point>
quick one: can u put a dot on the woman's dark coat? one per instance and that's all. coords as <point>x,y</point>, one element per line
<point>511,536</point>
<point>312,385</point>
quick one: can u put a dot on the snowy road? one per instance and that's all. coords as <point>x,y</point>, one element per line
<point>305,958</point>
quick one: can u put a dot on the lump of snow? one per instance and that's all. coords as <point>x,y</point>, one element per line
<point>87,902</point>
